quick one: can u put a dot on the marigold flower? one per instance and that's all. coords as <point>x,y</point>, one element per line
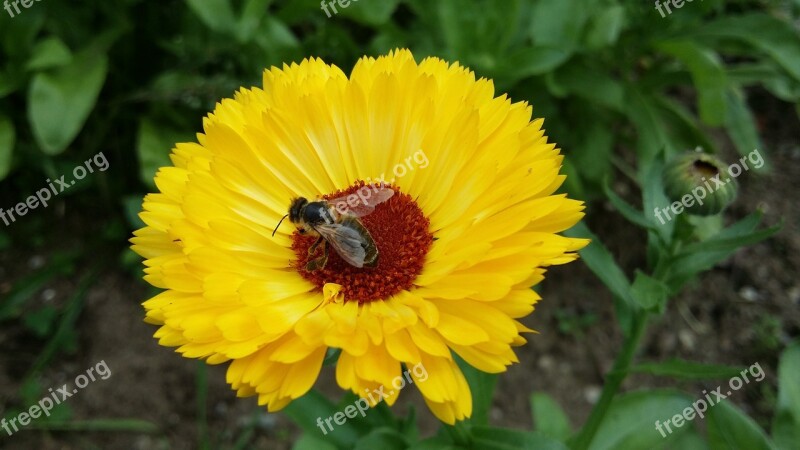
<point>470,229</point>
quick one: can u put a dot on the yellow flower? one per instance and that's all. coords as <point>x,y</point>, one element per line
<point>470,228</point>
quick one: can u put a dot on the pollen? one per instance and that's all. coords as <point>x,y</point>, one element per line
<point>401,233</point>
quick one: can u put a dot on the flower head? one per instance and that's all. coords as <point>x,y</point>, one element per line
<point>470,228</point>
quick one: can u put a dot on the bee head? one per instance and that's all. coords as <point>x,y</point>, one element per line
<point>296,209</point>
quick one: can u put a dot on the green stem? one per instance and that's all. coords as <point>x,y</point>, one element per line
<point>612,385</point>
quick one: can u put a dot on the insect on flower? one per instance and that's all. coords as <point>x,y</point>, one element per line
<point>338,227</point>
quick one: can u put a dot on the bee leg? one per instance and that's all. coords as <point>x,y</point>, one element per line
<point>313,248</point>
<point>319,263</point>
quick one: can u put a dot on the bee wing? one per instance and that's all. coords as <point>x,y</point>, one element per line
<point>347,242</point>
<point>366,202</point>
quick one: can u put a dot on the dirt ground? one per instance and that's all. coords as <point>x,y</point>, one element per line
<point>739,313</point>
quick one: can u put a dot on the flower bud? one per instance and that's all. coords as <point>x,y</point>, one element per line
<point>701,180</point>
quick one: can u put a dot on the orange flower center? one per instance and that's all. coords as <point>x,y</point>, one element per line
<point>400,231</point>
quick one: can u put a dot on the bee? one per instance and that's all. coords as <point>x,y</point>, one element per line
<point>336,224</point>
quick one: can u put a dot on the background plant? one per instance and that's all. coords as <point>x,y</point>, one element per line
<point>622,90</point>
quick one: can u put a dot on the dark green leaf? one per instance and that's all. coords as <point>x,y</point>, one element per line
<point>649,293</point>
<point>153,146</point>
<point>8,137</point>
<point>695,258</point>
<point>678,368</point>
<point>741,125</point>
<point>708,75</point>
<point>370,12</point>
<point>548,417</point>
<point>489,438</point>
<point>730,429</point>
<point>528,62</point>
<point>768,34</point>
<point>592,84</point>
<point>308,442</point>
<point>630,423</point>
<point>215,14</point>
<point>252,14</point>
<point>684,128</point>
<point>558,24</point>
<point>50,52</point>
<point>786,425</point>
<point>306,411</point>
<point>605,27</point>
<point>382,438</point>
<point>41,321</point>
<point>601,262</point>
<point>627,211</point>
<point>435,443</point>
<point>59,102</point>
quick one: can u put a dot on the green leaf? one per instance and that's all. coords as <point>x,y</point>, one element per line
<point>8,137</point>
<point>627,211</point>
<point>548,417</point>
<point>649,293</point>
<point>689,370</point>
<point>481,385</point>
<point>50,52</point>
<point>308,442</point>
<point>730,428</point>
<point>683,126</point>
<point>370,12</point>
<point>775,37</point>
<point>435,443</point>
<point>605,28</point>
<point>740,124</point>
<point>252,14</point>
<point>305,411</point>
<point>595,151</point>
<point>215,14</point>
<point>642,110</point>
<point>59,102</point>
<point>601,262</point>
<point>41,321</point>
<point>786,424</point>
<point>489,438</point>
<point>630,421</point>
<point>708,74</point>
<point>525,63</point>
<point>382,438</point>
<point>153,146</point>
<point>690,440</point>
<point>695,258</point>
<point>591,83</point>
<point>558,24</point>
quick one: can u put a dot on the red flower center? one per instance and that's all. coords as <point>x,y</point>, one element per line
<point>400,231</point>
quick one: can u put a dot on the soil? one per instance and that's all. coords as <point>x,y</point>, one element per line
<point>740,313</point>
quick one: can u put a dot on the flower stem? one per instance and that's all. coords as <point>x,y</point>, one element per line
<point>614,380</point>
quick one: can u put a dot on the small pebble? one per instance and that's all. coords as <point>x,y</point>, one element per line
<point>592,394</point>
<point>749,293</point>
